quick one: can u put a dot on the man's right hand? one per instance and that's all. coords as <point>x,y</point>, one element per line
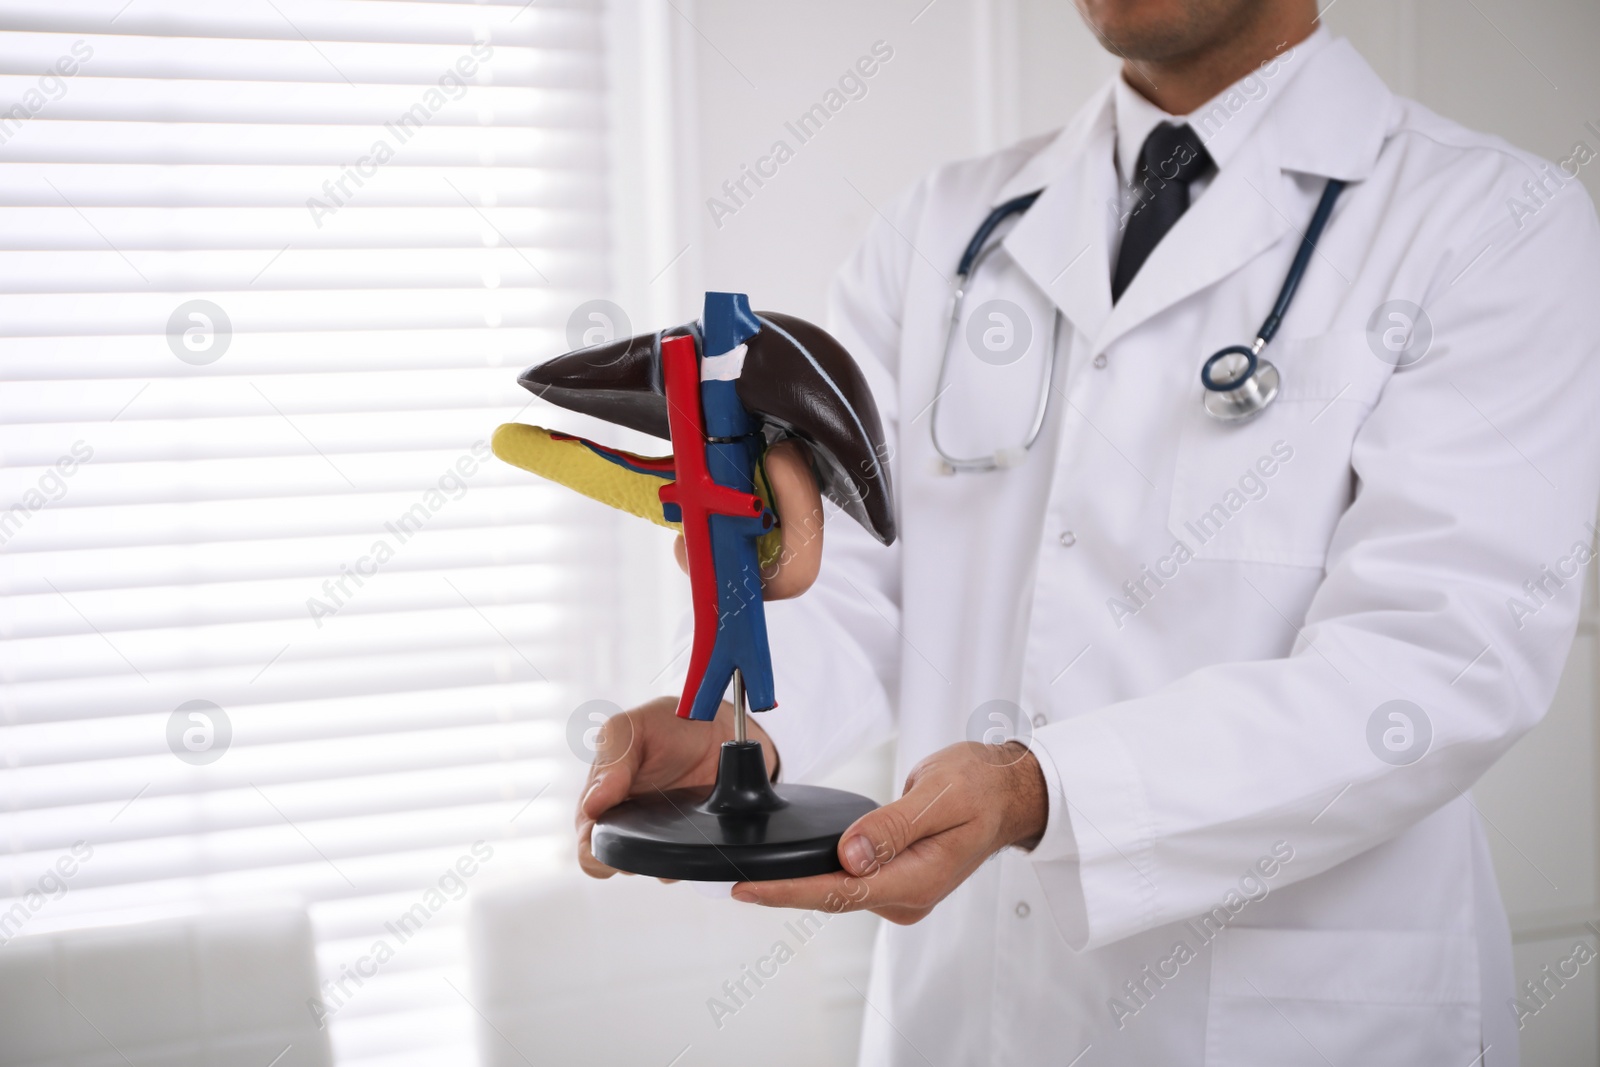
<point>648,749</point>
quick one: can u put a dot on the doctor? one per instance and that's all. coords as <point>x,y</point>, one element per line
<point>1260,663</point>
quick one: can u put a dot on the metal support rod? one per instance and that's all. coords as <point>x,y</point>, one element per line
<point>738,707</point>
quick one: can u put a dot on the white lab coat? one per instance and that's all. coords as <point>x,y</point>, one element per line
<point>1213,745</point>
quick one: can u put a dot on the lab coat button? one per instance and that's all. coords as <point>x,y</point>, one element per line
<point>1039,720</point>
<point>1023,909</point>
<point>1100,361</point>
<point>1068,538</point>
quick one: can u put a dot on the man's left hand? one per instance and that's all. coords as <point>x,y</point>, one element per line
<point>960,806</point>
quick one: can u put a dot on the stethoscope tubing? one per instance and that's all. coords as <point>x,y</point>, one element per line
<point>957,299</point>
<point>1248,390</point>
<point>969,258</point>
<point>976,252</point>
<point>1302,259</point>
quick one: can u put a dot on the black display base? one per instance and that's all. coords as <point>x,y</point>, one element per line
<point>742,829</point>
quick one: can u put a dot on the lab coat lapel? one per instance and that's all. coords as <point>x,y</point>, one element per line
<point>1061,242</point>
<point>1331,122</point>
<point>1240,216</point>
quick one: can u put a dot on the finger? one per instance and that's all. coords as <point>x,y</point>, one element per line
<point>609,788</point>
<point>930,805</point>
<point>680,552</point>
<point>895,855</point>
<point>901,915</point>
<point>915,879</point>
<point>618,752</point>
<point>798,502</point>
<point>825,892</point>
<point>586,861</point>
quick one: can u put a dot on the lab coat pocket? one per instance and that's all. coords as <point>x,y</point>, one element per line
<point>1379,998</point>
<point>1271,490</point>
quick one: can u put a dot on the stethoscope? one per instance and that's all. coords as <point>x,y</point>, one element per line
<point>975,254</point>
<point>1239,382</point>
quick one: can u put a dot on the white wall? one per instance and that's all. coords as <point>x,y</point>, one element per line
<point>920,108</point>
<point>968,75</point>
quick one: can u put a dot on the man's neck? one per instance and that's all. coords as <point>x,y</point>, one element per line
<point>1178,85</point>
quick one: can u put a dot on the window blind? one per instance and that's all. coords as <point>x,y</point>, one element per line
<point>274,624</point>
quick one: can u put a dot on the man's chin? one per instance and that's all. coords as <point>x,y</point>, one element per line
<point>1163,30</point>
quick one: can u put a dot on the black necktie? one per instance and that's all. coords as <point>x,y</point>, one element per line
<point>1171,158</point>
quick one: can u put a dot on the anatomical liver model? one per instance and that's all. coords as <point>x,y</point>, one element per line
<point>724,390</point>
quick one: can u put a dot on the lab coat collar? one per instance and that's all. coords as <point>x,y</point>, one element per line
<point>1334,118</point>
<point>1061,243</point>
<point>1330,121</point>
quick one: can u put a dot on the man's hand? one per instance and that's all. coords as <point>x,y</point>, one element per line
<point>960,806</point>
<point>650,748</point>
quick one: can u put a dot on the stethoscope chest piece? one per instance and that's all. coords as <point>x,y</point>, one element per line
<point>1239,384</point>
